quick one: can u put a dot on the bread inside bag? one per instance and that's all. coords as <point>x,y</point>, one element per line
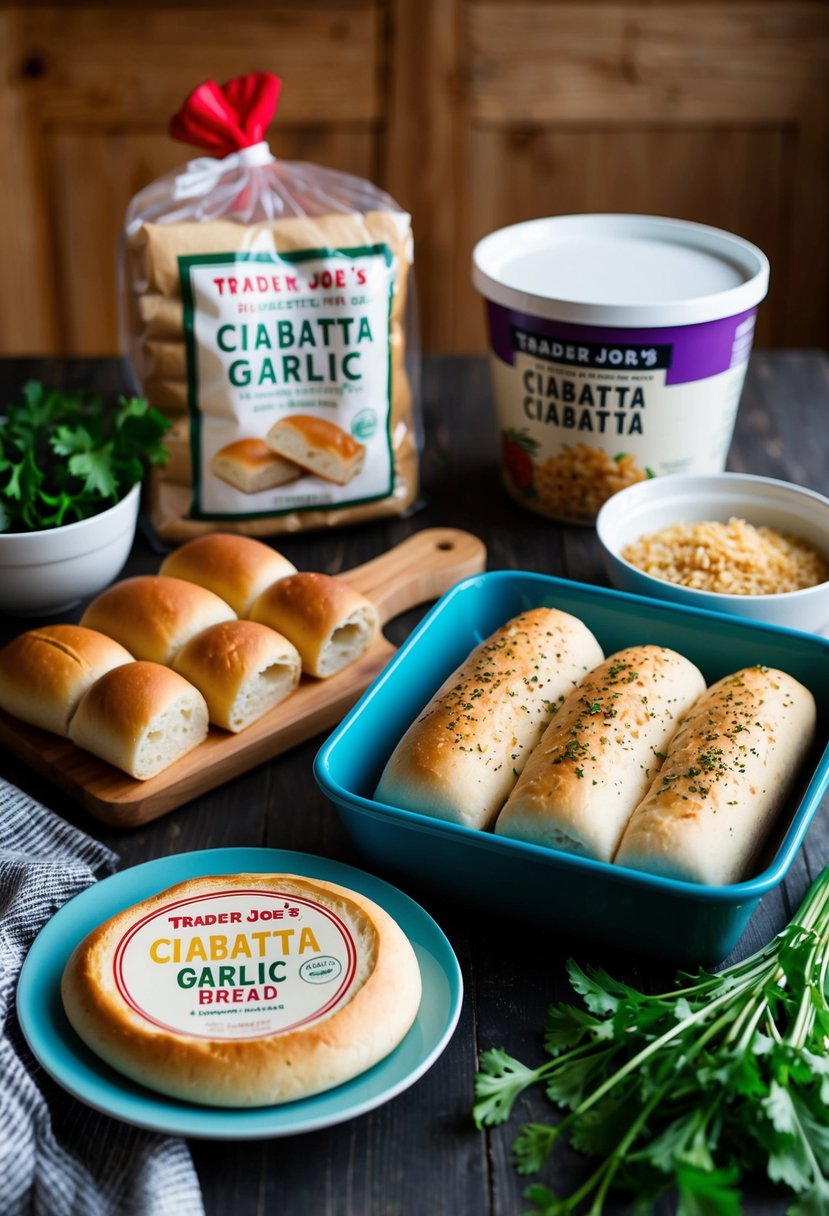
<point>280,290</point>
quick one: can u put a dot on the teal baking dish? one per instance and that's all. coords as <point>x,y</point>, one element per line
<point>679,921</point>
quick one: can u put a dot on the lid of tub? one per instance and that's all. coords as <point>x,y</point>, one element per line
<point>620,270</point>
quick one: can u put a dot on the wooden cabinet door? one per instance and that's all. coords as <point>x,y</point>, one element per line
<point>83,126</point>
<point>716,112</point>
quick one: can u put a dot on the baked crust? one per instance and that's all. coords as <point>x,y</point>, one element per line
<point>726,776</point>
<point>249,465</point>
<point>328,621</point>
<point>597,757</point>
<point>374,1016</point>
<point>141,717</point>
<point>236,568</point>
<point>241,668</point>
<point>153,615</point>
<point>460,759</point>
<point>45,672</point>
<point>317,445</point>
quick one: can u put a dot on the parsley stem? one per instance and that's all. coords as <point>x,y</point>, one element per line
<point>753,1016</point>
<point>680,1028</point>
<point>693,1087</point>
<point>604,1175</point>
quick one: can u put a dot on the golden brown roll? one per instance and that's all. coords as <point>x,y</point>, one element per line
<point>241,668</point>
<point>236,568</point>
<point>726,776</point>
<point>461,757</point>
<point>250,466</point>
<point>141,717</point>
<point>244,990</point>
<point>45,672</point>
<point>153,615</point>
<point>600,752</point>
<point>329,622</point>
<point>317,445</point>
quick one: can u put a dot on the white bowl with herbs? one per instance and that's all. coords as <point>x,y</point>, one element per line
<point>729,542</point>
<point>70,483</point>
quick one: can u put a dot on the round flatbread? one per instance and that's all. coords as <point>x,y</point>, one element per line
<point>244,990</point>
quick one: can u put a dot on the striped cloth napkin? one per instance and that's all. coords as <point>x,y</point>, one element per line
<point>58,1157</point>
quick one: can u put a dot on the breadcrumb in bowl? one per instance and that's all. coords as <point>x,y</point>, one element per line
<point>735,558</point>
<point>731,542</point>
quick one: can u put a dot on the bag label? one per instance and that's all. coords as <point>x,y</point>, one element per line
<point>236,964</point>
<point>288,336</point>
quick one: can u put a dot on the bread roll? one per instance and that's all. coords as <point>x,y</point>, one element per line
<point>600,752</point>
<point>242,670</point>
<point>141,717</point>
<point>236,568</point>
<point>244,990</point>
<point>45,672</point>
<point>317,445</point>
<point>728,771</point>
<point>461,757</point>
<point>153,615</point>
<point>329,622</point>
<point>250,466</point>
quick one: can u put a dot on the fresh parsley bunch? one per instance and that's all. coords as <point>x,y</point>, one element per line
<point>64,456</point>
<point>692,1089</point>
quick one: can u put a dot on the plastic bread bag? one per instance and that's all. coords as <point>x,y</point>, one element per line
<point>267,308</point>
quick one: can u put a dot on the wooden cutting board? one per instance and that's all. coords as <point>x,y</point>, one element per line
<point>414,572</point>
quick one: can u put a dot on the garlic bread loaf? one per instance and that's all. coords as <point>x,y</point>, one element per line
<point>727,772</point>
<point>153,615</point>
<point>318,446</point>
<point>236,568</point>
<point>140,717</point>
<point>598,755</point>
<point>242,670</point>
<point>330,623</point>
<point>45,672</point>
<point>460,759</point>
<point>250,466</point>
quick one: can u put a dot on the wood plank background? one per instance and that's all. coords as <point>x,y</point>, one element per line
<point>472,113</point>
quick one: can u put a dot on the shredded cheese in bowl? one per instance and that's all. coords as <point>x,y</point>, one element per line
<point>734,558</point>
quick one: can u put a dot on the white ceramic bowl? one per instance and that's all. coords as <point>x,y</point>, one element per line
<point>45,572</point>
<point>652,505</point>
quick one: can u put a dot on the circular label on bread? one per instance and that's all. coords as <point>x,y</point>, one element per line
<point>236,964</point>
<point>244,990</point>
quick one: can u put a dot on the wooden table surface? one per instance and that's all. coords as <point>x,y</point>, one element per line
<point>420,1155</point>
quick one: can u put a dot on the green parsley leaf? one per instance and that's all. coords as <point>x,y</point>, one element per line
<point>65,456</point>
<point>532,1146</point>
<point>692,1089</point>
<point>500,1081</point>
<point>707,1193</point>
<point>544,1202</point>
<point>814,1202</point>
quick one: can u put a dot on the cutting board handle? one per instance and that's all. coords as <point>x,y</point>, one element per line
<point>419,569</point>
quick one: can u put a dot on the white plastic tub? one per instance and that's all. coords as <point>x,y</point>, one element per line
<point>618,349</point>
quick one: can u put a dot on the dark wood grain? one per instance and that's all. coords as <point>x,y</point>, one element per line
<point>420,1155</point>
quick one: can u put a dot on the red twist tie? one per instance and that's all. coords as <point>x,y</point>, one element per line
<point>224,118</point>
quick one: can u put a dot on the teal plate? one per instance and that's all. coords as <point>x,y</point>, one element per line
<point>65,1057</point>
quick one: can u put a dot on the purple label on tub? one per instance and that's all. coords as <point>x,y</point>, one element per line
<point>687,352</point>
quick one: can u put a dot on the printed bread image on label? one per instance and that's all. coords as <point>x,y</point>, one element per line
<point>250,466</point>
<point>318,446</point>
